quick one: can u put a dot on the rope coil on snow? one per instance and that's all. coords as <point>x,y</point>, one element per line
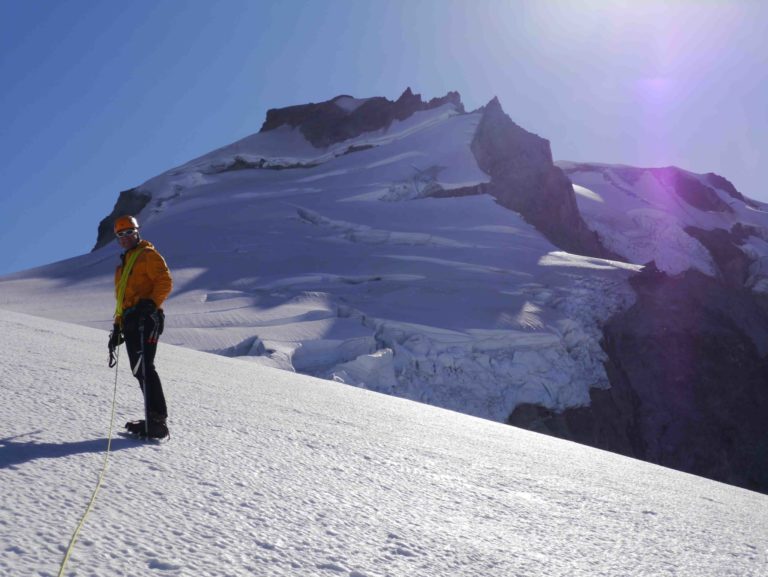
<point>76,534</point>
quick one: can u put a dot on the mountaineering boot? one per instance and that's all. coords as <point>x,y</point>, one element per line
<point>135,427</point>
<point>157,427</point>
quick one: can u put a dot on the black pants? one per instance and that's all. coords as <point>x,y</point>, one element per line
<point>141,333</point>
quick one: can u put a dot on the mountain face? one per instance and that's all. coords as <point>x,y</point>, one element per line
<point>524,179</point>
<point>688,382</point>
<point>687,361</point>
<point>419,250</point>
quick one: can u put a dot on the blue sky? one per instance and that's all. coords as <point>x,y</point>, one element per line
<point>99,96</point>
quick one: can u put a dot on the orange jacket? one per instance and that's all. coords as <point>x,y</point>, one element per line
<point>149,278</point>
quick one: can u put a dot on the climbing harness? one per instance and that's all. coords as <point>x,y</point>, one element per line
<point>76,534</point>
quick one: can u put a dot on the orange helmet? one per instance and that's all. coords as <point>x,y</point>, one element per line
<point>125,222</point>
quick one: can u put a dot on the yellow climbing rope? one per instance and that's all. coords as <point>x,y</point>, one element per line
<point>127,268</point>
<point>75,535</point>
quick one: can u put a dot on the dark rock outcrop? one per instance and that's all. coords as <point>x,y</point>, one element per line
<point>689,382</point>
<point>727,186</point>
<point>130,202</point>
<point>239,163</point>
<point>524,179</point>
<point>690,189</point>
<point>724,246</point>
<point>327,123</point>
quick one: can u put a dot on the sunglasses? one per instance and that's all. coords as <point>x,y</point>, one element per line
<point>126,232</point>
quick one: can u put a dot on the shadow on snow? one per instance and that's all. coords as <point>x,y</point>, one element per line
<point>13,452</point>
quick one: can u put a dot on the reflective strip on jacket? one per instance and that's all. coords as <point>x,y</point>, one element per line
<point>149,278</point>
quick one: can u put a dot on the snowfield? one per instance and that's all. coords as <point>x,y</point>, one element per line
<point>273,473</point>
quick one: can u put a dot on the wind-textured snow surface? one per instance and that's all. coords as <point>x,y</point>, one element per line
<point>339,263</point>
<point>277,474</point>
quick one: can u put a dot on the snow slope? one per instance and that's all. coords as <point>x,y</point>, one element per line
<point>337,263</point>
<point>272,473</point>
